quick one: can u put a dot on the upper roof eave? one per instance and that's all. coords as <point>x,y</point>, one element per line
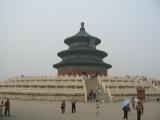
<point>81,33</point>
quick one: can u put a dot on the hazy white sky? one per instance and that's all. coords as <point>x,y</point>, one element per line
<point>32,32</point>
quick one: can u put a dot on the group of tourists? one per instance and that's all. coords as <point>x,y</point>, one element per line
<point>73,106</point>
<point>136,105</point>
<point>89,76</point>
<point>91,95</point>
<point>5,108</point>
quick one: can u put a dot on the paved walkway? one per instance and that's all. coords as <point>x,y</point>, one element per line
<point>41,110</point>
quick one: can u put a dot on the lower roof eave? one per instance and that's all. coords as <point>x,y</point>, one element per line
<point>107,66</point>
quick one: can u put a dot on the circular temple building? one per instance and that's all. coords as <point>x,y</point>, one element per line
<point>82,57</point>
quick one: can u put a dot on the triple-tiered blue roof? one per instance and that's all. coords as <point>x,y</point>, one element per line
<point>82,51</point>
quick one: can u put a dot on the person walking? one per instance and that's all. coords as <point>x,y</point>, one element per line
<point>139,110</point>
<point>142,108</point>
<point>7,107</point>
<point>97,108</point>
<point>73,103</point>
<point>125,110</point>
<point>133,102</point>
<point>63,106</point>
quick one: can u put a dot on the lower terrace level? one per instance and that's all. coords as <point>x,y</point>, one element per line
<point>57,88</point>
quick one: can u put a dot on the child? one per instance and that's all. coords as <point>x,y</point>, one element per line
<point>97,108</point>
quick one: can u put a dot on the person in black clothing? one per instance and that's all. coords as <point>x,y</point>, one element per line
<point>126,109</point>
<point>73,102</point>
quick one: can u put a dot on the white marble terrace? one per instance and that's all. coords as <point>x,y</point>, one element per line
<point>65,87</point>
<point>44,87</point>
<point>121,87</point>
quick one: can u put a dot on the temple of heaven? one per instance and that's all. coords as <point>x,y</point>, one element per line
<point>82,57</point>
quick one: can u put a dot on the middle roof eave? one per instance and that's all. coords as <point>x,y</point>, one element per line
<point>99,53</point>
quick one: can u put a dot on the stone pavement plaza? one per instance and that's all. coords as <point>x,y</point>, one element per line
<point>42,110</point>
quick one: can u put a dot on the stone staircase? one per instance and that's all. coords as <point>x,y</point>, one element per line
<point>93,85</point>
